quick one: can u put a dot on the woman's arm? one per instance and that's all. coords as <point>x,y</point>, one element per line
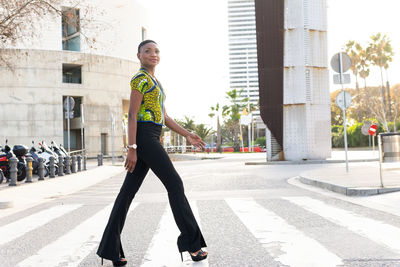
<point>192,138</point>
<point>134,105</point>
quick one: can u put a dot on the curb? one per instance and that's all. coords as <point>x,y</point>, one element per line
<point>348,191</point>
<point>6,204</point>
<point>300,162</point>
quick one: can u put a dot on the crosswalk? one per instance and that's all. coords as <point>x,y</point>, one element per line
<point>283,240</point>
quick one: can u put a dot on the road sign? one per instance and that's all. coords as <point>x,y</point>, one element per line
<point>70,113</point>
<point>245,119</point>
<point>345,78</point>
<point>346,62</point>
<point>343,102</point>
<point>373,129</point>
<point>365,127</point>
<point>69,106</point>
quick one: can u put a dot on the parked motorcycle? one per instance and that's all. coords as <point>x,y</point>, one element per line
<point>20,152</point>
<point>6,153</point>
<point>35,163</point>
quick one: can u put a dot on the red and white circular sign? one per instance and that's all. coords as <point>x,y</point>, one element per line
<point>372,130</point>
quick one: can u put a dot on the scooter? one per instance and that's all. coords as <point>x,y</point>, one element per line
<point>5,154</point>
<point>58,150</point>
<point>35,163</point>
<point>46,153</point>
<point>20,152</point>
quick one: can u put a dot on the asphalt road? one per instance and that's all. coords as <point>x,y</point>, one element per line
<point>249,215</point>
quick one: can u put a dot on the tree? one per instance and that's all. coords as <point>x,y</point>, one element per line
<point>202,131</point>
<point>353,52</point>
<point>215,111</point>
<point>19,21</point>
<point>381,52</point>
<point>232,112</point>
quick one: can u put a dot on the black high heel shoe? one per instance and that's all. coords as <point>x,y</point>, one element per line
<point>201,255</point>
<point>119,262</point>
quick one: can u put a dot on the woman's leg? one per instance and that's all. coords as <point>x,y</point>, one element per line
<point>191,238</point>
<point>110,246</point>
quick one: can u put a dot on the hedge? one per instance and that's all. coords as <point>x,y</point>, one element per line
<point>354,136</point>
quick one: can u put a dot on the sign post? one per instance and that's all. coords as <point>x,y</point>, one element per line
<point>69,104</point>
<point>372,132</point>
<point>341,63</point>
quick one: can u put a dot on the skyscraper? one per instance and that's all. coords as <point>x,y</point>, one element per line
<point>243,71</point>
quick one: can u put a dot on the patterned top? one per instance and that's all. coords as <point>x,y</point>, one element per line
<point>152,107</point>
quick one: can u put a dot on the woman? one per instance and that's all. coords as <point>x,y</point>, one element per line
<point>147,115</point>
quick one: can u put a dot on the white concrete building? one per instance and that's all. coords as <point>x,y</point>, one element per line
<point>58,63</point>
<point>307,126</point>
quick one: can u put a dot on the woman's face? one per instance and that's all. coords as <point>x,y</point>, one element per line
<point>149,55</point>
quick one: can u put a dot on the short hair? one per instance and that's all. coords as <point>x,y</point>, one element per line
<point>144,43</point>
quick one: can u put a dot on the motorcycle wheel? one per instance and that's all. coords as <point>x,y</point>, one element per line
<point>21,172</point>
<point>1,177</point>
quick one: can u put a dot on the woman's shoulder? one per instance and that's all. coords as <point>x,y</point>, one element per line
<point>140,75</point>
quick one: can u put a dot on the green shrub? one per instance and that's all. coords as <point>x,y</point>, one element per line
<point>260,141</point>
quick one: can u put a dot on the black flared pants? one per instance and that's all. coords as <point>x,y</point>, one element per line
<point>151,155</point>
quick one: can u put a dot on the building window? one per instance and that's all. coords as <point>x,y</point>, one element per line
<point>72,73</point>
<point>144,34</point>
<point>70,23</point>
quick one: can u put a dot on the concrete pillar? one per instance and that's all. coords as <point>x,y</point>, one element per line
<point>52,167</point>
<point>79,158</point>
<point>73,164</point>
<point>60,166</point>
<point>13,171</point>
<point>41,170</point>
<point>67,165</point>
<point>29,169</point>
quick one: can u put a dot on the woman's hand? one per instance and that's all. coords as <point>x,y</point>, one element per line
<point>195,140</point>
<point>131,159</point>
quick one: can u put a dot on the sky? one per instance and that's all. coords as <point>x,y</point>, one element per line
<point>193,39</point>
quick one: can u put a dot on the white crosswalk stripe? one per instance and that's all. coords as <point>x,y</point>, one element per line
<point>377,231</point>
<point>282,240</point>
<point>71,248</point>
<point>19,228</point>
<point>163,250</point>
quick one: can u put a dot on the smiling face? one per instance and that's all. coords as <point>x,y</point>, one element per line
<point>149,55</point>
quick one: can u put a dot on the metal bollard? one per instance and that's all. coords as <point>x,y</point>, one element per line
<point>79,158</point>
<point>73,164</point>
<point>67,165</point>
<point>60,166</point>
<point>29,170</point>
<point>41,169</point>
<point>13,171</point>
<point>52,167</point>
<point>84,162</point>
<point>99,160</point>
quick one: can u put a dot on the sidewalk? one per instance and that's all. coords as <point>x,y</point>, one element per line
<point>363,179</point>
<point>23,196</point>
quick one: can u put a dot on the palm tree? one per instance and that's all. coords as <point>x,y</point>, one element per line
<point>381,54</point>
<point>353,52</point>
<point>363,66</point>
<point>202,131</point>
<point>215,111</point>
<point>188,124</point>
<point>232,111</point>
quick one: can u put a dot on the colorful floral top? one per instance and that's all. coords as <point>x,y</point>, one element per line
<point>152,107</point>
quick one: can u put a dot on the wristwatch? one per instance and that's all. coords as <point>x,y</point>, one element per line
<point>134,146</point>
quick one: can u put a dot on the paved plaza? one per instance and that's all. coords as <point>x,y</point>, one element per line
<point>250,215</point>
